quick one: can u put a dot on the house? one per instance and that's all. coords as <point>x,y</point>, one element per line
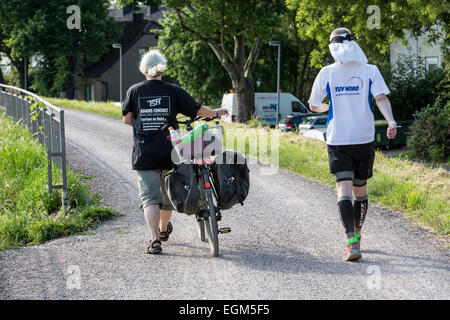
<point>417,46</point>
<point>100,80</point>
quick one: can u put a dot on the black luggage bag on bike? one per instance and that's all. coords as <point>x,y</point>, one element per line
<point>231,179</point>
<point>182,189</point>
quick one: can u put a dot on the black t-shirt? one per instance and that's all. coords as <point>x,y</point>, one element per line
<point>155,105</point>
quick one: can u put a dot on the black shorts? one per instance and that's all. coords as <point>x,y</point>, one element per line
<point>358,158</point>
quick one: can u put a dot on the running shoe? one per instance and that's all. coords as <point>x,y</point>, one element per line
<point>352,252</point>
<point>358,241</point>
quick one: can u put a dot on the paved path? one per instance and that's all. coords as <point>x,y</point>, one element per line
<point>286,243</point>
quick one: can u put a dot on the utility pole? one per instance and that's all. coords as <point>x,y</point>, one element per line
<point>119,46</point>
<point>277,44</point>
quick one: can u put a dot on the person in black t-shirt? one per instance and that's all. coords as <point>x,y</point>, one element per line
<point>150,107</point>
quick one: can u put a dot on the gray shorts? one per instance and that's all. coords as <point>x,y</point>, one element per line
<point>152,189</point>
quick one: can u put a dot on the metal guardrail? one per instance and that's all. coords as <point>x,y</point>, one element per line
<point>46,122</point>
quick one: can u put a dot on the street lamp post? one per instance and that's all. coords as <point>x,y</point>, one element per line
<point>119,46</point>
<point>277,44</point>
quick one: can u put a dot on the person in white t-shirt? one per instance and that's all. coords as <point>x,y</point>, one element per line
<point>350,83</point>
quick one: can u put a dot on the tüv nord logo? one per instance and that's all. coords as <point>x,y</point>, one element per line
<point>355,83</point>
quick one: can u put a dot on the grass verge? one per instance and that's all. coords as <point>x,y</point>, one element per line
<point>420,192</point>
<point>103,108</point>
<point>28,213</point>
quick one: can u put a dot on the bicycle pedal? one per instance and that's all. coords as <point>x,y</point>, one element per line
<point>224,230</point>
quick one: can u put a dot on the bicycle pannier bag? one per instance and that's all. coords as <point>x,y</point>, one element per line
<point>231,177</point>
<point>182,189</point>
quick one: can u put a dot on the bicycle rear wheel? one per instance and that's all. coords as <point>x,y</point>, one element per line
<point>212,231</point>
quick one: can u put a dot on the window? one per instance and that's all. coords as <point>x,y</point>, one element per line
<point>321,121</point>
<point>90,92</point>
<point>431,63</point>
<point>298,107</point>
<point>142,51</point>
<point>308,120</point>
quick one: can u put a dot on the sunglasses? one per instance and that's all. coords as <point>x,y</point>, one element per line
<point>340,39</point>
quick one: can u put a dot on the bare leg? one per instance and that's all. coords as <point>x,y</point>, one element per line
<point>164,219</point>
<point>152,215</point>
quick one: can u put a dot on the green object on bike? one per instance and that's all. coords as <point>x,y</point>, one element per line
<point>194,134</point>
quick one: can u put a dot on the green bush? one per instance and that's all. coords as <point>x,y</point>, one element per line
<point>429,137</point>
<point>412,87</point>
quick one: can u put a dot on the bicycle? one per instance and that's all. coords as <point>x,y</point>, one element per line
<point>208,213</point>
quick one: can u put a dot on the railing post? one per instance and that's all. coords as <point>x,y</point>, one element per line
<point>27,112</point>
<point>10,104</point>
<point>49,155</point>
<point>65,199</point>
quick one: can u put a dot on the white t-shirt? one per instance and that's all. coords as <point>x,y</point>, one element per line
<point>349,87</point>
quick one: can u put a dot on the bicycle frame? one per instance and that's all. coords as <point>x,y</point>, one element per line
<point>206,183</point>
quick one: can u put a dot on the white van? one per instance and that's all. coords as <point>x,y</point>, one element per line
<point>266,106</point>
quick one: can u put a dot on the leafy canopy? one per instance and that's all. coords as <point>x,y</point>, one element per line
<point>192,63</point>
<point>316,19</point>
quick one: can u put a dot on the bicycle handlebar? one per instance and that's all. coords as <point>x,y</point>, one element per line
<point>197,119</point>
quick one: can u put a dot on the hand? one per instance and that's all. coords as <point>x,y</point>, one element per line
<point>222,112</point>
<point>391,132</point>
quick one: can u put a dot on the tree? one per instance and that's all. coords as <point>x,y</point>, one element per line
<point>297,74</point>
<point>35,27</point>
<point>317,18</point>
<point>235,31</point>
<point>17,61</point>
<point>196,68</point>
<point>192,63</point>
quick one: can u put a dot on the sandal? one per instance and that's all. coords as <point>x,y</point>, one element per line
<point>164,236</point>
<point>152,249</point>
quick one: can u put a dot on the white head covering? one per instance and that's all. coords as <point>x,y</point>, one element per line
<point>346,51</point>
<point>153,63</point>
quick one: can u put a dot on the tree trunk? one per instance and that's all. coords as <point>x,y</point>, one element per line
<point>21,70</point>
<point>245,99</point>
<point>238,66</point>
<point>70,86</point>
<point>2,79</point>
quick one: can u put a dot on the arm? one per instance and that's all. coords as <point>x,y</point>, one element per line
<point>384,105</point>
<point>128,118</point>
<point>209,113</point>
<point>322,108</point>
<point>318,93</point>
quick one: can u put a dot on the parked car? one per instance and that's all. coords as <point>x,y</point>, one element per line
<point>319,134</point>
<point>314,122</point>
<point>266,106</point>
<point>291,122</point>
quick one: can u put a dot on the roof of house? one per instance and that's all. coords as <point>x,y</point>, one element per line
<point>132,31</point>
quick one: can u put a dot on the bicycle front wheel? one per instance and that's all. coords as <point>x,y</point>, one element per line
<point>212,231</point>
<point>201,229</point>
